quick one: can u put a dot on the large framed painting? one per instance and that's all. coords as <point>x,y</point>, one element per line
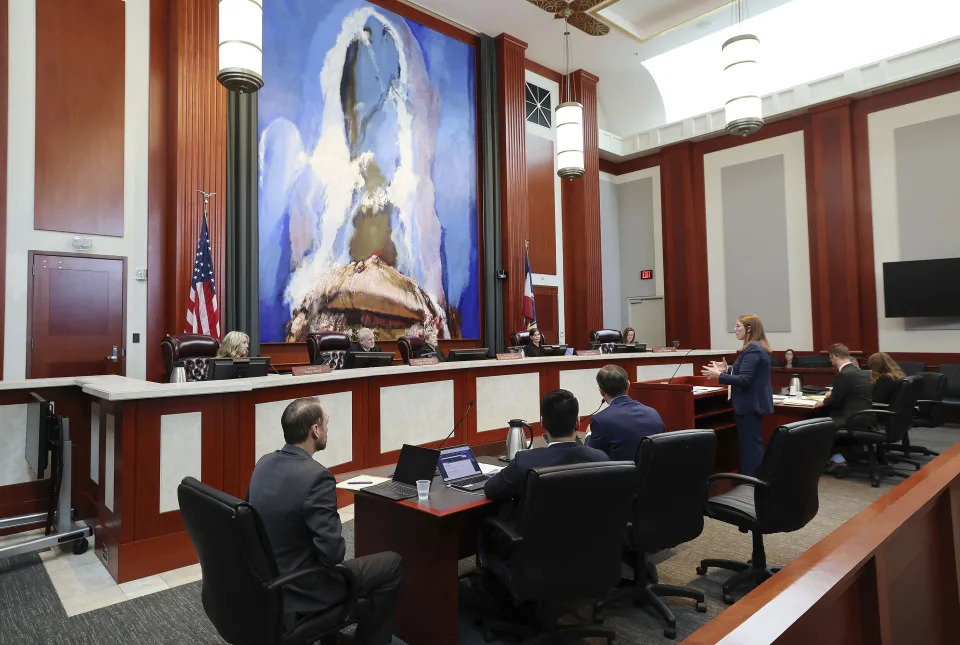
<point>368,209</point>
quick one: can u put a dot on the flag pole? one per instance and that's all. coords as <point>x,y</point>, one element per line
<point>206,202</point>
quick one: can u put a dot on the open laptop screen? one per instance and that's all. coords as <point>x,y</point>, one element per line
<point>458,462</point>
<point>415,463</point>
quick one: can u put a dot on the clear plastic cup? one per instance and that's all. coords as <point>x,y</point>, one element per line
<point>423,488</point>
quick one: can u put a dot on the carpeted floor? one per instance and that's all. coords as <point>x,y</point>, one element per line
<point>30,611</point>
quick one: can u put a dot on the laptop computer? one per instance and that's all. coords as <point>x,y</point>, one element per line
<point>459,469</point>
<point>414,463</point>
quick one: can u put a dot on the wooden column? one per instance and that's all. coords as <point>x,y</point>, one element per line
<point>686,294</point>
<point>188,117</point>
<point>582,267</point>
<point>834,247</point>
<point>513,175</point>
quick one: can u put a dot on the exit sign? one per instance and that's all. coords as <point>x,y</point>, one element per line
<point>646,274</point>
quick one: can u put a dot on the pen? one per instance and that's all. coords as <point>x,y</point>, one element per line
<point>358,483</point>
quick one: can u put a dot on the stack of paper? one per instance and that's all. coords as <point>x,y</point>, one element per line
<point>360,482</point>
<point>801,403</point>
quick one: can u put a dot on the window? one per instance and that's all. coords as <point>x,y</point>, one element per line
<point>538,105</point>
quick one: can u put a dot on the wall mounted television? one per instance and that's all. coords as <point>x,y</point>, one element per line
<point>921,288</point>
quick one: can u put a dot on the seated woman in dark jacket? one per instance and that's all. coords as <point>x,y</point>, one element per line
<point>535,346</point>
<point>885,375</point>
<point>431,345</point>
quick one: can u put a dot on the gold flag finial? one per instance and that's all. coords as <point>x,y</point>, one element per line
<point>526,244</point>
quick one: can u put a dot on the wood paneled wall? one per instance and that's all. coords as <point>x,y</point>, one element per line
<point>548,319</point>
<point>79,116</point>
<point>582,267</point>
<point>541,205</point>
<point>513,175</point>
<point>843,284</point>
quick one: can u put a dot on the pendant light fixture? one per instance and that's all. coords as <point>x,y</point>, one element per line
<point>569,118</point>
<point>241,45</point>
<point>744,109</point>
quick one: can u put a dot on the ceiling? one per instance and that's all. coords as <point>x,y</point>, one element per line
<point>641,30</point>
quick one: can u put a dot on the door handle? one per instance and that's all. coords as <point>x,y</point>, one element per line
<point>115,356</point>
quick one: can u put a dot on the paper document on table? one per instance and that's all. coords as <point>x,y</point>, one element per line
<point>800,403</point>
<point>702,389</point>
<point>361,481</point>
<point>490,469</point>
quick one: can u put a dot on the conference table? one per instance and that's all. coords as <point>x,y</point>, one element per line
<point>134,440</point>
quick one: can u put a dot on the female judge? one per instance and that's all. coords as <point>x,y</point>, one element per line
<point>236,344</point>
<point>885,375</point>
<point>431,345</point>
<point>629,336</point>
<point>535,346</point>
<point>788,358</point>
<point>751,393</point>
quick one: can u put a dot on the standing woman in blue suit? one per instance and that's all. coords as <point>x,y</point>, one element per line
<point>751,394</point>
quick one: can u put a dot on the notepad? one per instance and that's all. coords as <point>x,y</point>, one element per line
<point>361,481</point>
<point>489,469</point>
<point>800,403</point>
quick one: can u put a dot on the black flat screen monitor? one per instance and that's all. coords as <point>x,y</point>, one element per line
<point>629,348</point>
<point>220,369</point>
<point>554,350</point>
<point>37,448</point>
<point>921,288</point>
<point>356,360</point>
<point>472,354</point>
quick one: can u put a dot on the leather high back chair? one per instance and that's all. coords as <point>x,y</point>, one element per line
<point>520,338</point>
<point>192,349</point>
<point>672,473</point>
<point>600,336</point>
<point>328,348</point>
<point>590,501</point>
<point>242,590</point>
<point>783,496</point>
<point>911,368</point>
<point>409,347</point>
<point>951,397</point>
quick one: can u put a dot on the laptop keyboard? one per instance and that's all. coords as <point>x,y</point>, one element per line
<point>398,487</point>
<point>476,479</point>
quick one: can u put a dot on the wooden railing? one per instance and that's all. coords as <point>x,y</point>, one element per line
<point>888,576</point>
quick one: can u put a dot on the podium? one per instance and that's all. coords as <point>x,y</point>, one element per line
<point>688,402</point>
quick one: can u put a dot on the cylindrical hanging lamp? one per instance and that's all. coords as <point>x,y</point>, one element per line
<point>241,45</point>
<point>569,120</point>
<point>744,109</point>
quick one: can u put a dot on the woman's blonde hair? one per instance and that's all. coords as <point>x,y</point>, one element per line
<point>755,333</point>
<point>882,366</point>
<point>230,348</point>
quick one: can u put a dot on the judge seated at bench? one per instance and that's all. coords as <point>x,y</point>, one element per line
<point>431,348</point>
<point>367,342</point>
<point>535,346</point>
<point>235,344</point>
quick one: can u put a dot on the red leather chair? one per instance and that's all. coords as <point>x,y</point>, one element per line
<point>409,347</point>
<point>328,348</point>
<point>192,350</point>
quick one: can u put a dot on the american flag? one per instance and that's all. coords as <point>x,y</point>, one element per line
<point>202,316</point>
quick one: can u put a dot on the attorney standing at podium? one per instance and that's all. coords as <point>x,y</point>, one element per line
<point>751,393</point>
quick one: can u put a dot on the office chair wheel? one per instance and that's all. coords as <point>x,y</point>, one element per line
<point>728,599</point>
<point>874,484</point>
<point>670,632</point>
<point>597,615</point>
<point>702,607</point>
<point>701,571</point>
<point>80,546</point>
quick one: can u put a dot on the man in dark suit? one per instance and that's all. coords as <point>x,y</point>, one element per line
<point>618,429</point>
<point>367,342</point>
<point>297,500</point>
<point>558,416</point>
<point>852,392</point>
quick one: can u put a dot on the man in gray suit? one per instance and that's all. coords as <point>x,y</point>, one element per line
<point>297,500</point>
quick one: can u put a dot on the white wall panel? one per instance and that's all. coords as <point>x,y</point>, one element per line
<point>181,446</point>
<point>95,442</point>
<point>417,413</point>
<point>339,408</point>
<point>109,462</point>
<point>13,427</point>
<point>511,396</point>
<point>655,372</point>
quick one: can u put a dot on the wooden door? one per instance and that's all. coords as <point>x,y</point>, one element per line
<point>547,320</point>
<point>76,315</point>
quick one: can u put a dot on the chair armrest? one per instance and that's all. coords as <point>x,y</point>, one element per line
<point>506,531</point>
<point>919,401</point>
<point>350,581</point>
<point>877,405</point>
<point>743,479</point>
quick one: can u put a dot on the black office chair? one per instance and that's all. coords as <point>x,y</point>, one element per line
<point>242,590</point>
<point>879,428</point>
<point>951,397</point>
<point>911,368</point>
<point>782,497</point>
<point>927,414</point>
<point>531,556</point>
<point>672,470</point>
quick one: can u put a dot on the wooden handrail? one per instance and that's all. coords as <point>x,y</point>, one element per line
<point>820,575</point>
